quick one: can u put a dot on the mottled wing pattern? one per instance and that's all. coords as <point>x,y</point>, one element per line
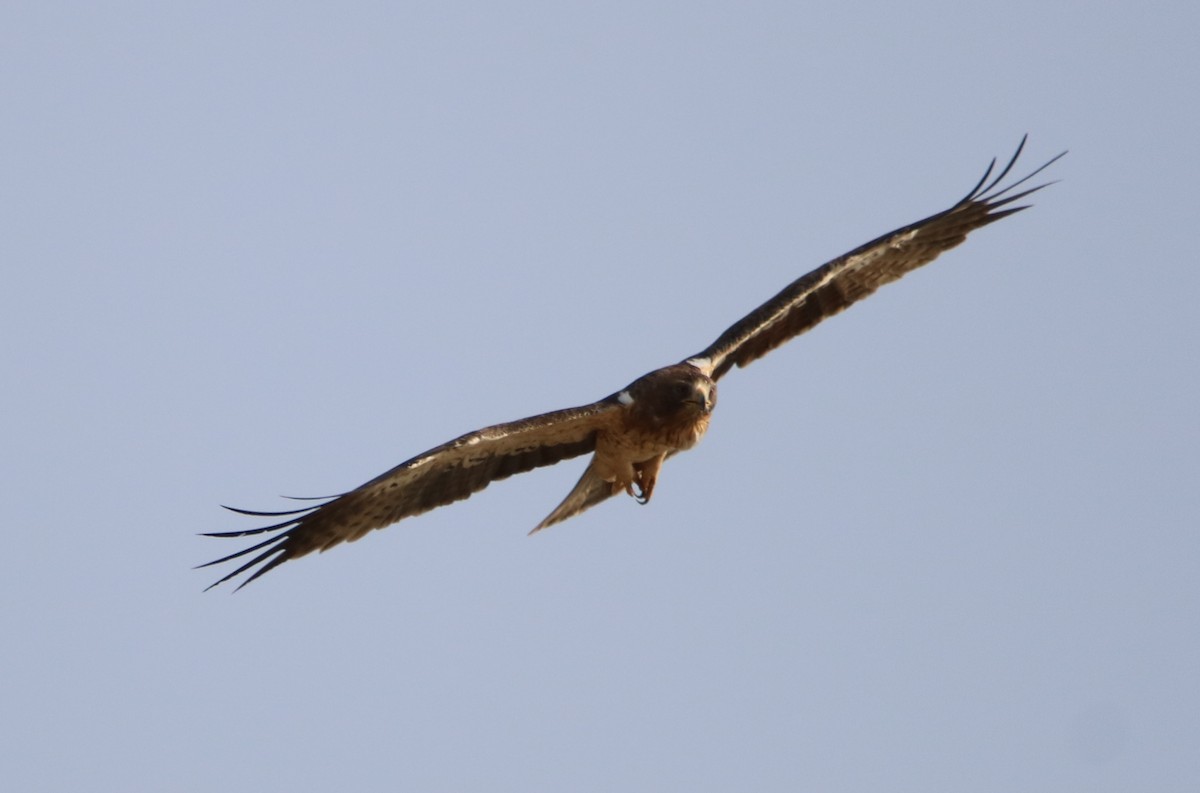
<point>451,472</point>
<point>847,279</point>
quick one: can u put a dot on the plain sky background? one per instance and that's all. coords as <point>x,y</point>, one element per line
<point>948,541</point>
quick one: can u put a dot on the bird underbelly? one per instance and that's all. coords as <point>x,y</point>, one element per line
<point>617,453</point>
<point>641,443</point>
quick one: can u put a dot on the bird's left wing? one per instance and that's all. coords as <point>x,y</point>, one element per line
<point>448,473</point>
<point>847,279</point>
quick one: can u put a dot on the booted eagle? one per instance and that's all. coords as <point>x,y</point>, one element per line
<point>631,432</point>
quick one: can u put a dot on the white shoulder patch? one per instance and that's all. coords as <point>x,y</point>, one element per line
<point>703,364</point>
<point>625,398</point>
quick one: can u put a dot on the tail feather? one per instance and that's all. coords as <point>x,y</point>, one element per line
<point>589,491</point>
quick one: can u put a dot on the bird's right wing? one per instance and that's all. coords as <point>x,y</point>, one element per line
<point>448,473</point>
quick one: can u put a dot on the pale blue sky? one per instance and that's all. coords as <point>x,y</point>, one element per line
<point>947,541</point>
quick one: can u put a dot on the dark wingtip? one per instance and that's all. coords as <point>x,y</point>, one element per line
<point>274,549</point>
<point>242,552</point>
<point>266,568</point>
<point>260,514</point>
<point>982,191</point>
<point>991,198</point>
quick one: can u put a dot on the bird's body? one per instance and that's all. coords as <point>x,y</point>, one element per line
<point>666,411</point>
<point>633,431</point>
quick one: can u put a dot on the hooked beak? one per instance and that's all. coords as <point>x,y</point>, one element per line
<point>702,398</point>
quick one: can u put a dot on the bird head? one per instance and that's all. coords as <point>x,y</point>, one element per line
<point>679,392</point>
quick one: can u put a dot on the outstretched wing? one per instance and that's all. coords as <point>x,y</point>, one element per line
<point>849,278</point>
<point>451,472</point>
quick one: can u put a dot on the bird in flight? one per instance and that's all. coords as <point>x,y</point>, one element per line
<point>631,432</point>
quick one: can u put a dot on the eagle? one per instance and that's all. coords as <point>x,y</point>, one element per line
<point>630,433</point>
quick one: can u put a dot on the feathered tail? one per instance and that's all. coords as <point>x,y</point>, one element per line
<point>589,491</point>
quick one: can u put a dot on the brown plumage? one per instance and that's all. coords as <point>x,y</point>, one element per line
<point>629,433</point>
